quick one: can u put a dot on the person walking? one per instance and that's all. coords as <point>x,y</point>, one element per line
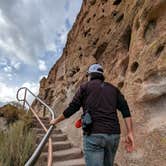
<point>101,134</point>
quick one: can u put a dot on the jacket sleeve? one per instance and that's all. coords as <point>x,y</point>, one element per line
<point>75,104</point>
<point>122,105</point>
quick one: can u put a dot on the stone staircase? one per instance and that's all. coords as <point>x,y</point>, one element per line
<point>64,153</point>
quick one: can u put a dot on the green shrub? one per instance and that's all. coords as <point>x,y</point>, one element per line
<point>16,144</point>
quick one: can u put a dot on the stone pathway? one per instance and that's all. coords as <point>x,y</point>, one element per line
<point>64,153</point>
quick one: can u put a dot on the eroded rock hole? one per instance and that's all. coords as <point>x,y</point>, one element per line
<point>88,20</point>
<point>137,25</point>
<point>120,17</point>
<point>124,66</point>
<point>61,78</point>
<point>92,2</point>
<point>77,69</point>
<point>117,2</point>
<point>95,42</point>
<point>109,31</point>
<point>134,67</point>
<point>126,38</point>
<point>114,13</point>
<point>103,1</point>
<point>46,93</point>
<point>94,15</point>
<point>81,55</point>
<point>103,10</point>
<point>149,29</point>
<point>86,32</point>
<point>74,71</point>
<point>100,50</point>
<point>159,50</point>
<point>120,84</point>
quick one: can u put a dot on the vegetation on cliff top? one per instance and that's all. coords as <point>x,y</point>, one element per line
<point>14,113</point>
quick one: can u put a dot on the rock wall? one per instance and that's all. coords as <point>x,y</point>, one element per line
<point>129,40</point>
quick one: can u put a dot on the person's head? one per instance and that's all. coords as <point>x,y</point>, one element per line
<point>95,71</point>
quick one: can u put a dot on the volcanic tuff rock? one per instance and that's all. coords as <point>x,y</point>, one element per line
<point>129,40</point>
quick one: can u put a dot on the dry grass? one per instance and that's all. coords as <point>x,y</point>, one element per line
<point>16,145</point>
<point>18,142</point>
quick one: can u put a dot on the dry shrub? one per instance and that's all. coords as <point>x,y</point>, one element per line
<point>16,144</point>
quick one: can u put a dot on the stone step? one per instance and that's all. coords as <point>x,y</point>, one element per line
<point>40,117</point>
<point>44,120</point>
<point>63,155</point>
<point>55,137</point>
<point>74,162</point>
<point>42,131</point>
<point>38,125</point>
<point>47,122</point>
<point>61,145</point>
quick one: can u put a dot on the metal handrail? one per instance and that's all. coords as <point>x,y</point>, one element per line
<point>32,160</point>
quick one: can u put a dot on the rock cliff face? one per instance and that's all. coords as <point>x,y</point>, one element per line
<point>129,40</point>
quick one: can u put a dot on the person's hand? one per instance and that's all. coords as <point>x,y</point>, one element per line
<point>129,143</point>
<point>53,122</point>
<point>57,120</point>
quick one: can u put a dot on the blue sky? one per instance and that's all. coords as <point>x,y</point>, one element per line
<point>32,36</point>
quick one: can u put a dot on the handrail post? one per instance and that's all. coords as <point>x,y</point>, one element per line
<point>44,111</point>
<point>25,94</point>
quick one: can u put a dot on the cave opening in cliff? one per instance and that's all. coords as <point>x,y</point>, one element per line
<point>95,42</point>
<point>81,55</point>
<point>46,93</point>
<point>126,38</point>
<point>134,67</point>
<point>137,24</point>
<point>117,2</point>
<point>149,30</point>
<point>120,84</point>
<point>120,17</point>
<point>114,13</point>
<point>100,50</point>
<point>88,20</point>
<point>92,2</point>
<point>103,1</point>
<point>87,32</point>
<point>159,50</point>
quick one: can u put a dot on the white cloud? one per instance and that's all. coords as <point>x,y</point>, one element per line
<point>10,76</point>
<point>17,65</point>
<point>8,69</point>
<point>3,62</point>
<point>28,26</point>
<point>28,30</point>
<point>42,65</point>
<point>34,88</point>
<point>63,36</point>
<point>51,47</point>
<point>8,94</point>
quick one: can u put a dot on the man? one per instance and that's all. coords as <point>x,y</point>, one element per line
<point>102,99</point>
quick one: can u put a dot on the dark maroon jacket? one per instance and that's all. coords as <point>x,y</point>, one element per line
<point>102,99</point>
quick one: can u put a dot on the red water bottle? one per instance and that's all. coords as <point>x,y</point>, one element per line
<point>78,123</point>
